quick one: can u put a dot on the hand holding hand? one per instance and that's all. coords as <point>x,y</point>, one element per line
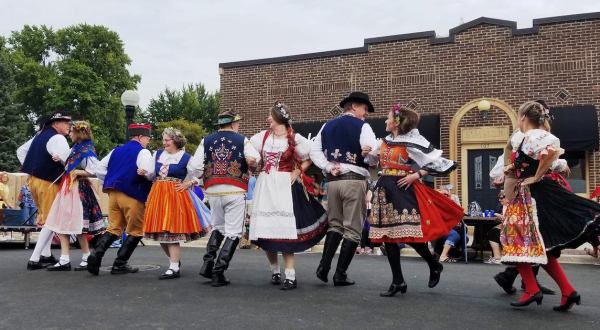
<point>366,150</point>
<point>251,161</point>
<point>141,171</point>
<point>336,170</point>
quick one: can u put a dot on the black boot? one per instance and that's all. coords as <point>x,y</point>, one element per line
<point>120,265</point>
<point>398,285</point>
<point>347,252</point>
<point>222,263</point>
<point>95,258</point>
<point>214,242</point>
<point>332,240</point>
<point>506,279</point>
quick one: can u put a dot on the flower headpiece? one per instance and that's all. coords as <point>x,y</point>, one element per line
<point>544,111</point>
<point>281,109</point>
<point>82,126</point>
<point>396,111</point>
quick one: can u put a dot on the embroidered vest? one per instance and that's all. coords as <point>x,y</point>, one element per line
<point>178,171</point>
<point>38,161</point>
<point>122,172</point>
<point>340,139</point>
<point>224,161</point>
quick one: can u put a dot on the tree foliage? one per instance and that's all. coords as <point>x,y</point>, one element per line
<point>192,103</point>
<point>81,69</point>
<point>193,132</point>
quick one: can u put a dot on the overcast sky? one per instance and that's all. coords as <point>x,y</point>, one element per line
<point>172,43</point>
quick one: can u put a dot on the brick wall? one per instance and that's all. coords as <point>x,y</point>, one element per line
<point>486,58</point>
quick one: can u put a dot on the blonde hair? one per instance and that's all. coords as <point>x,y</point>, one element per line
<point>82,130</point>
<point>537,114</point>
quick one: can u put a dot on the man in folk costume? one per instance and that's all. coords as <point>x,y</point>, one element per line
<point>125,172</point>
<point>225,157</point>
<point>338,150</point>
<point>43,159</point>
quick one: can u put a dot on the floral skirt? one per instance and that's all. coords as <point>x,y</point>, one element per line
<point>173,216</point>
<point>75,209</point>
<point>418,214</point>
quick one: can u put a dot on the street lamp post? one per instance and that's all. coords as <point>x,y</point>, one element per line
<point>130,99</point>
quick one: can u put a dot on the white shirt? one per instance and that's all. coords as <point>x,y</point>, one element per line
<point>196,165</point>
<point>168,159</point>
<point>144,161</point>
<point>367,138</point>
<point>57,145</point>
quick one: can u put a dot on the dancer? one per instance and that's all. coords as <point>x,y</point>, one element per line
<point>337,149</point>
<point>173,212</point>
<point>225,158</point>
<point>285,217</point>
<point>404,209</point>
<point>544,218</point>
<point>76,210</point>
<point>127,192</point>
<point>43,157</point>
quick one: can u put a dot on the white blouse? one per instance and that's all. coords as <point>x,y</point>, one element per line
<point>277,146</point>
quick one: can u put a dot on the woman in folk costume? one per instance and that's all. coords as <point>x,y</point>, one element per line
<point>284,217</point>
<point>174,214</point>
<point>75,209</point>
<point>404,209</point>
<point>544,217</point>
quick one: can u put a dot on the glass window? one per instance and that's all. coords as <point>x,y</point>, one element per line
<point>576,161</point>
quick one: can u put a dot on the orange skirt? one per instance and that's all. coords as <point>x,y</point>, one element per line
<point>171,215</point>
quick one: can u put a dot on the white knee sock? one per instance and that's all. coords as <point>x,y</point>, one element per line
<point>42,247</point>
<point>275,268</point>
<point>290,274</point>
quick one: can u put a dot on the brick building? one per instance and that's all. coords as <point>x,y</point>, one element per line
<point>444,79</point>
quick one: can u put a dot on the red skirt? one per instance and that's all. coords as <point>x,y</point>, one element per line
<point>418,214</point>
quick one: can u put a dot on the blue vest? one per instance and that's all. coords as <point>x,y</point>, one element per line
<point>122,172</point>
<point>178,171</point>
<point>224,161</point>
<point>340,139</point>
<point>38,161</point>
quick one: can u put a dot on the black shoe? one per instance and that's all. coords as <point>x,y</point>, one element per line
<point>59,267</point>
<point>536,297</point>
<point>80,268</point>
<point>212,246</point>
<point>48,260</point>
<point>332,240</point>
<point>434,275</point>
<point>545,290</point>
<point>340,278</point>
<point>276,279</point>
<point>34,265</point>
<point>120,268</point>
<point>219,279</point>
<point>572,299</point>
<point>505,284</point>
<point>222,262</point>
<point>289,285</point>
<point>395,288</point>
<point>169,275</point>
<point>120,265</point>
<point>95,258</point>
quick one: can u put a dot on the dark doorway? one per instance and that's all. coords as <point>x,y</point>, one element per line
<point>481,186</point>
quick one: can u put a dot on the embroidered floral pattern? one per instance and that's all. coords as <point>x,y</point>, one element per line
<point>387,222</point>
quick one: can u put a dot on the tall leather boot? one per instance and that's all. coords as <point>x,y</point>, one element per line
<point>120,265</point>
<point>332,240</point>
<point>95,258</point>
<point>222,263</point>
<point>214,242</point>
<point>506,279</point>
<point>347,252</point>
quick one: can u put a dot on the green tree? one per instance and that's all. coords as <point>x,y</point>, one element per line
<point>13,124</point>
<point>82,69</point>
<point>193,132</point>
<point>192,103</point>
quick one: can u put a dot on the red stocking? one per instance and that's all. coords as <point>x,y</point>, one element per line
<point>531,286</point>
<point>555,270</point>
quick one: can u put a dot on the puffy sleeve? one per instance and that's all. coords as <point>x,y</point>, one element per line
<point>373,157</point>
<point>257,140</point>
<point>91,165</point>
<point>431,160</point>
<point>538,142</point>
<point>498,171</point>
<point>302,147</point>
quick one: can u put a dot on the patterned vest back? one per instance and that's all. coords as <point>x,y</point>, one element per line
<point>224,161</point>
<point>122,172</point>
<point>340,139</point>
<point>38,161</point>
